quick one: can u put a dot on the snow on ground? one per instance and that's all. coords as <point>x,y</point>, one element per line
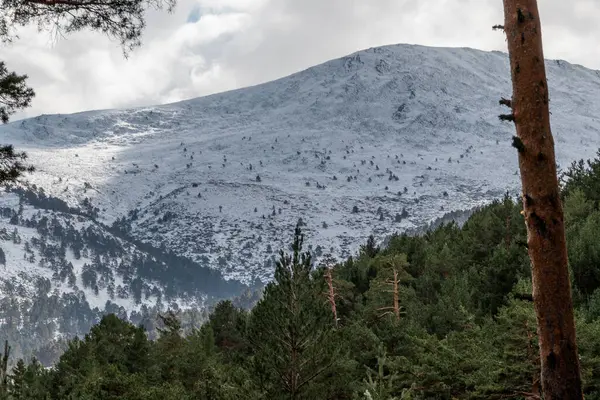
<point>223,179</point>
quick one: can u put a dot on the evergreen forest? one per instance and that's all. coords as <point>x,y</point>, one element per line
<point>443,315</point>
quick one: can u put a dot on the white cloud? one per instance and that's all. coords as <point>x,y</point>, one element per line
<point>236,43</point>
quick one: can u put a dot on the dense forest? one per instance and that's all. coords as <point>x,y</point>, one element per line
<point>444,315</point>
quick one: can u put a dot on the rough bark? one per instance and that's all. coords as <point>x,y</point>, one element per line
<point>542,208</point>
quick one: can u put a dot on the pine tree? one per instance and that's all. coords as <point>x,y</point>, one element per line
<point>291,328</point>
<point>17,381</point>
<point>542,207</point>
<point>14,93</point>
<point>380,384</point>
<point>516,370</point>
<point>386,292</point>
<point>4,368</point>
<point>28,382</point>
<point>138,352</point>
<point>370,249</point>
<point>12,163</point>
<point>228,325</point>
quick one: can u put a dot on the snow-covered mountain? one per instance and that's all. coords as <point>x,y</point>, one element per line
<point>379,141</point>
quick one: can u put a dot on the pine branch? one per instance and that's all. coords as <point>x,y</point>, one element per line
<point>524,297</point>
<point>14,93</point>
<point>505,102</point>
<point>12,164</point>
<point>123,20</point>
<point>517,143</point>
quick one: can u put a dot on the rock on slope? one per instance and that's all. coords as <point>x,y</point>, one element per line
<point>376,142</point>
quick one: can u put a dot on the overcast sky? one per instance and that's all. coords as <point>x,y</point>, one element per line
<point>209,46</point>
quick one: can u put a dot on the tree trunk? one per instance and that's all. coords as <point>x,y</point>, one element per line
<point>331,295</point>
<point>542,207</point>
<point>396,296</point>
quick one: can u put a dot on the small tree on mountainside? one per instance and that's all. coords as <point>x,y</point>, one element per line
<point>370,249</point>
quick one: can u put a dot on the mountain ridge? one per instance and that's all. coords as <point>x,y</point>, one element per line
<point>382,140</point>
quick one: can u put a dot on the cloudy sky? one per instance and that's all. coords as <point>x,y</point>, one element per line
<point>209,46</point>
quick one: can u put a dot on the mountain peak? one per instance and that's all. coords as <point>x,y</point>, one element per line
<point>376,142</point>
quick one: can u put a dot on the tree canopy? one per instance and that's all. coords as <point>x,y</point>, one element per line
<point>444,315</point>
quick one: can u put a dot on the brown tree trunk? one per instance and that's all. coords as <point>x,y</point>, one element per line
<point>396,296</point>
<point>542,207</point>
<point>331,295</point>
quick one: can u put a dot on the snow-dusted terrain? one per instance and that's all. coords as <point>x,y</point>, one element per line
<point>376,142</point>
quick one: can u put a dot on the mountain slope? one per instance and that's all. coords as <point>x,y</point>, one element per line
<point>379,141</point>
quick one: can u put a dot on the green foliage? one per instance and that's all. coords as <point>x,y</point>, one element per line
<point>380,298</point>
<point>585,177</point>
<point>576,208</point>
<point>514,337</point>
<point>584,254</point>
<point>445,315</point>
<point>291,329</point>
<point>12,163</point>
<point>14,94</point>
<point>228,324</point>
<point>379,384</point>
<point>123,20</point>
<point>588,332</point>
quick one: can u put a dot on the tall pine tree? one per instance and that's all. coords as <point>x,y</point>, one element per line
<point>292,328</point>
<point>542,206</point>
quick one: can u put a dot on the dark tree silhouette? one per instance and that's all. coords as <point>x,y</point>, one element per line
<point>14,94</point>
<point>12,164</point>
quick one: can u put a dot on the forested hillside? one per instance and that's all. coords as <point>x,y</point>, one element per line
<point>445,315</point>
<point>134,211</point>
<point>61,271</point>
